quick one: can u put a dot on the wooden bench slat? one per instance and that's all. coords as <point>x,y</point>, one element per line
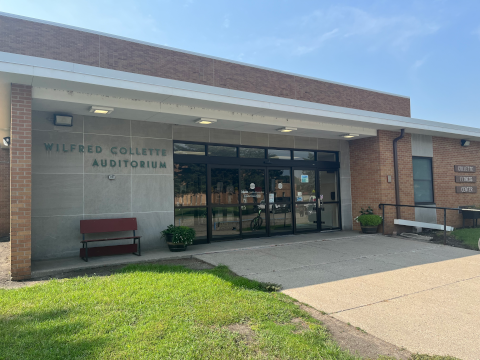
<point>122,238</point>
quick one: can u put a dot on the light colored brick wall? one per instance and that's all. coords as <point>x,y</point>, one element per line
<point>4,192</point>
<point>20,181</point>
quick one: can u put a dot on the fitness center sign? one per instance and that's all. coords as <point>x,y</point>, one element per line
<point>96,149</point>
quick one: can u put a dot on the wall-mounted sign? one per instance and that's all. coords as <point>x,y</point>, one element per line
<point>466,189</point>
<point>468,179</point>
<point>127,151</point>
<point>465,168</point>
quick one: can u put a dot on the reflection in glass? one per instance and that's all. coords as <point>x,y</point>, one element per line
<point>306,216</point>
<point>281,218</point>
<point>225,221</point>
<point>252,153</point>
<point>195,218</point>
<point>253,220</point>
<point>279,154</point>
<point>280,185</point>
<point>190,184</point>
<point>188,149</point>
<point>304,155</point>
<point>222,151</point>
<point>328,185</point>
<point>224,186</point>
<point>252,186</point>
<point>329,216</point>
<point>304,185</point>
<point>326,156</point>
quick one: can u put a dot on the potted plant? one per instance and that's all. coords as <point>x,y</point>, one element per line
<point>369,221</point>
<point>178,237</point>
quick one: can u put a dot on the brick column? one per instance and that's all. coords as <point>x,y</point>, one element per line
<point>20,181</point>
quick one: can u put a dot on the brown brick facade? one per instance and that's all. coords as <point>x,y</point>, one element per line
<point>446,154</point>
<point>371,162</point>
<point>58,43</point>
<point>20,181</point>
<point>4,192</point>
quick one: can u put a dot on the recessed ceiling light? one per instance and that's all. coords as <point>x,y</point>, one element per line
<point>349,136</point>
<point>205,121</point>
<point>102,110</point>
<point>287,129</point>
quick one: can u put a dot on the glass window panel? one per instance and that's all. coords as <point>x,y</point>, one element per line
<point>423,191</point>
<point>325,156</point>
<point>328,185</point>
<point>252,186</point>
<point>222,151</point>
<point>422,168</point>
<point>188,149</point>
<point>225,222</point>
<point>329,216</point>
<point>280,185</point>
<point>195,218</point>
<point>304,155</point>
<point>306,216</point>
<point>304,185</point>
<point>422,180</point>
<point>252,153</point>
<point>253,220</point>
<point>279,154</point>
<point>281,218</point>
<point>190,187</point>
<point>224,186</point>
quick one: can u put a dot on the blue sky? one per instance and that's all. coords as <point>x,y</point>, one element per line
<point>428,50</point>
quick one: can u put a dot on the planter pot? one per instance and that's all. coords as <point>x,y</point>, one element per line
<point>174,247</point>
<point>369,229</point>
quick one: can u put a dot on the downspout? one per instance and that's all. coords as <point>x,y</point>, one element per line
<point>395,167</point>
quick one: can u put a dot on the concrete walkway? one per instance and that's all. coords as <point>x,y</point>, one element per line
<point>421,296</point>
<point>47,267</point>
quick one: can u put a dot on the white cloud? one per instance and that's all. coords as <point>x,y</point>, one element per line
<point>226,21</point>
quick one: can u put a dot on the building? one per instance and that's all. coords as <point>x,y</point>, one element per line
<point>168,136</point>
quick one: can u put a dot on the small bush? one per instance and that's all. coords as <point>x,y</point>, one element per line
<point>370,220</point>
<point>181,234</point>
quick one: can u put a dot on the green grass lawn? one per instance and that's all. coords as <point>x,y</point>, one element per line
<point>468,236</point>
<point>158,312</point>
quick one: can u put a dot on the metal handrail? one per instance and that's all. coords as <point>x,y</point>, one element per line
<point>382,206</point>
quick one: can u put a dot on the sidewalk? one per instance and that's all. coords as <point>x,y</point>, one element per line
<point>48,267</point>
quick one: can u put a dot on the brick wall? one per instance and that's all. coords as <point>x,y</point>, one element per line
<point>4,192</point>
<point>20,181</point>
<point>371,163</point>
<point>446,154</point>
<point>58,43</point>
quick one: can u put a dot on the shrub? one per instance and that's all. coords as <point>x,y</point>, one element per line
<point>180,234</point>
<point>369,220</point>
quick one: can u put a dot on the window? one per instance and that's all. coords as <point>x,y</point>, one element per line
<point>279,154</point>
<point>325,156</point>
<point>422,180</point>
<point>222,151</point>
<point>252,153</point>
<point>304,155</point>
<point>188,149</point>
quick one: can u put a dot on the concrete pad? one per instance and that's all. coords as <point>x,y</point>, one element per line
<point>430,308</point>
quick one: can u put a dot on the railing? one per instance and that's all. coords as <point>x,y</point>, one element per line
<point>382,206</point>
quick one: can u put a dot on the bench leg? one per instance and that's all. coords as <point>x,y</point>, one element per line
<point>139,251</point>
<point>85,246</point>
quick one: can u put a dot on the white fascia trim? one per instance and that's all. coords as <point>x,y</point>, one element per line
<point>188,52</point>
<point>33,67</point>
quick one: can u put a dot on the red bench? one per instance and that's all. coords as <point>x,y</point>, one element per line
<point>104,226</point>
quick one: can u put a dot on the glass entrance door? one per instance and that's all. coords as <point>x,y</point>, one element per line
<point>253,202</point>
<point>328,200</point>
<point>279,202</point>
<point>305,188</point>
